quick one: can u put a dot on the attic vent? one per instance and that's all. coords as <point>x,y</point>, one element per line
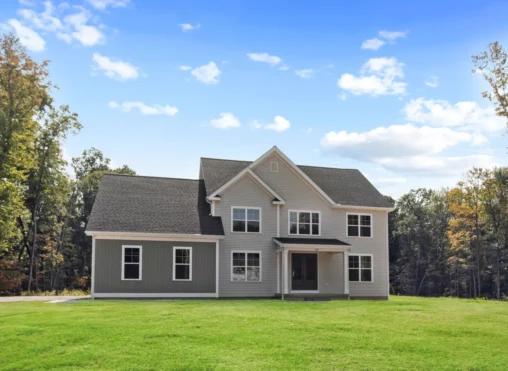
<point>274,167</point>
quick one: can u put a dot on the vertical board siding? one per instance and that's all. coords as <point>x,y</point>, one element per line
<point>157,269</point>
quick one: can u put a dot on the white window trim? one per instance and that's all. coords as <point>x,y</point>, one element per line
<point>260,265</point>
<point>247,208</point>
<point>140,262</point>
<point>174,262</point>
<point>359,225</point>
<point>360,268</point>
<point>298,222</point>
<point>274,169</point>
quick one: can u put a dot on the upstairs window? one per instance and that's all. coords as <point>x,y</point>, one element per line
<point>359,225</point>
<point>246,219</point>
<point>131,263</point>
<point>304,223</point>
<point>360,268</point>
<point>182,263</point>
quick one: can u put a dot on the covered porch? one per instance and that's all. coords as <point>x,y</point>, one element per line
<point>312,268</point>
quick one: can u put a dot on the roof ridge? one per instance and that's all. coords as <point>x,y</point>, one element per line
<point>150,176</point>
<point>329,167</point>
<point>224,159</point>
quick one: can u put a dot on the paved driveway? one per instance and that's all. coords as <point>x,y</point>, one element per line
<point>12,299</point>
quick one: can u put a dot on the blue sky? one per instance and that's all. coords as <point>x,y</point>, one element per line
<point>383,87</point>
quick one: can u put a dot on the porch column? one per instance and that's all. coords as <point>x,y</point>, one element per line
<point>285,272</point>
<point>278,272</point>
<point>346,272</point>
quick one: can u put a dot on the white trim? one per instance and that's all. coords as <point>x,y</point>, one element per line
<point>298,222</point>
<point>360,225</point>
<point>278,220</point>
<point>217,269</point>
<point>190,262</point>
<point>317,275</point>
<point>140,262</point>
<point>373,208</point>
<point>304,291</point>
<point>295,169</point>
<point>260,265</point>
<point>274,169</point>
<point>155,295</point>
<point>237,177</point>
<point>346,272</point>
<point>246,218</point>
<point>285,278</point>
<point>141,236</point>
<point>92,288</point>
<point>278,271</point>
<point>212,208</point>
<point>387,256</point>
<point>360,268</point>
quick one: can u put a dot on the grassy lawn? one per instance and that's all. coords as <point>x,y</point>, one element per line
<point>403,333</point>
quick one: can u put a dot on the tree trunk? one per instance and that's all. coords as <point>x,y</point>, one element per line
<point>32,254</point>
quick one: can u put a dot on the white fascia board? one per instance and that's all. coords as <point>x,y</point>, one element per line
<point>372,208</point>
<point>100,235</point>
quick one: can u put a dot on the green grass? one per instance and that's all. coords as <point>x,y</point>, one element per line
<point>403,333</point>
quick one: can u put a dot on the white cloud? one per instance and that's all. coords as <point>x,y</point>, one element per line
<point>378,76</point>
<point>464,115</point>
<point>225,121</point>
<point>264,58</point>
<point>283,68</point>
<point>185,68</point>
<point>115,69</point>
<point>45,20</point>
<point>305,73</point>
<point>144,109</point>
<point>388,182</point>
<point>279,124</point>
<point>208,74</point>
<point>392,35</point>
<point>26,2</point>
<point>432,82</point>
<point>407,148</point>
<point>28,37</point>
<point>103,4</point>
<point>65,37</point>
<point>373,44</point>
<point>186,27</point>
<point>87,35</point>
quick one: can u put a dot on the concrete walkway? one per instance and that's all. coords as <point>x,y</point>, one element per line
<point>13,299</point>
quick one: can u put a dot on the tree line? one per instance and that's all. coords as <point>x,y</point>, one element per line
<point>449,242</point>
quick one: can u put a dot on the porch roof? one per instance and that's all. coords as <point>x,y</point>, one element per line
<point>311,242</point>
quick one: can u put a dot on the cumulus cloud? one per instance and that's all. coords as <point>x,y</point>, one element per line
<point>407,148</point>
<point>463,115</point>
<point>378,76</point>
<point>115,69</point>
<point>208,74</point>
<point>225,121</point>
<point>45,20</point>
<point>187,27</point>
<point>272,60</point>
<point>103,4</point>
<point>305,73</point>
<point>279,125</point>
<point>28,37</point>
<point>373,44</point>
<point>144,109</point>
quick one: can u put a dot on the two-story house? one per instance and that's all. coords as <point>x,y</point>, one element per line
<point>267,228</point>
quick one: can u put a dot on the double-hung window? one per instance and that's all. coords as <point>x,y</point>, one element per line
<point>182,263</point>
<point>131,262</point>
<point>246,266</point>
<point>304,222</point>
<point>360,268</point>
<point>359,225</point>
<point>246,219</point>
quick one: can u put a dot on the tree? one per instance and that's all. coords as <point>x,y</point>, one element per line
<point>493,64</point>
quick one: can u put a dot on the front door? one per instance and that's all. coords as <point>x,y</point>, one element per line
<point>304,275</point>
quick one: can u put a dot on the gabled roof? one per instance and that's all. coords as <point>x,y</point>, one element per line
<point>126,203</point>
<point>347,187</point>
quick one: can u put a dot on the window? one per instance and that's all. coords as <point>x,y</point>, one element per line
<point>359,225</point>
<point>304,222</point>
<point>131,262</point>
<point>182,263</point>
<point>246,219</point>
<point>246,266</point>
<point>274,167</point>
<point>360,268</point>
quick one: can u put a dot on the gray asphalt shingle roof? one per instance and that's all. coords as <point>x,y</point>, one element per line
<point>344,186</point>
<point>311,241</point>
<point>127,203</point>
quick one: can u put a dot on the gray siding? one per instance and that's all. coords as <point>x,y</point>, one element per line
<point>157,268</point>
<point>248,193</point>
